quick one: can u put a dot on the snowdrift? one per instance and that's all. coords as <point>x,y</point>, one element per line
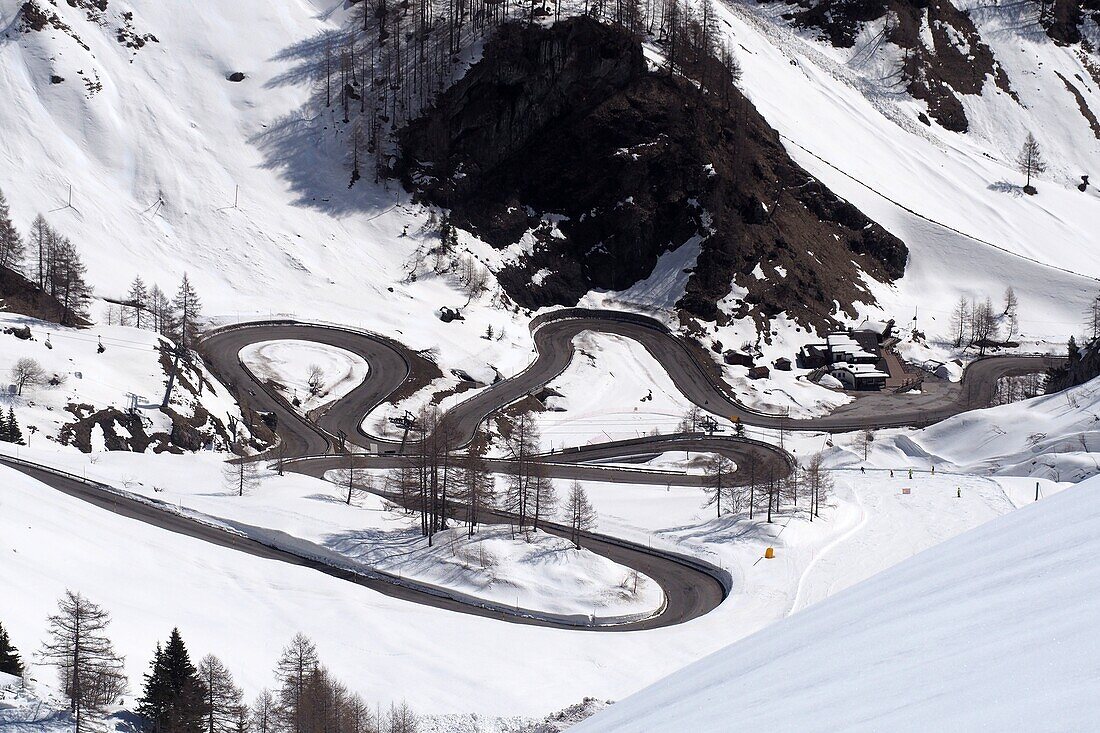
<point>1052,437</point>
<point>991,630</point>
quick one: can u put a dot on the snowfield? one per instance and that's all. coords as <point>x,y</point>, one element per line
<point>1054,437</point>
<point>129,364</point>
<point>290,364</point>
<point>990,630</point>
<point>533,572</point>
<point>867,519</point>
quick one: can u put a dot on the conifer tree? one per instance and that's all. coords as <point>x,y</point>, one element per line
<point>68,284</point>
<point>221,699</point>
<point>1030,161</point>
<point>91,673</point>
<point>41,236</point>
<point>11,244</point>
<point>10,663</point>
<point>138,299</point>
<point>172,701</point>
<point>160,308</point>
<point>12,429</point>
<point>188,308</point>
<point>297,663</point>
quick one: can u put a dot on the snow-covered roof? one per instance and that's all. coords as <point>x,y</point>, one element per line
<point>844,343</point>
<point>879,327</point>
<point>864,371</point>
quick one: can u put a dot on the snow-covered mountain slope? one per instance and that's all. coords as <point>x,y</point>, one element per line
<point>1053,437</point>
<point>843,122</point>
<point>90,381</point>
<point>157,140</point>
<point>155,151</point>
<point>52,542</point>
<point>990,630</point>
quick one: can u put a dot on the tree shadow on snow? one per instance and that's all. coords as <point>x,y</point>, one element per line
<point>1006,187</point>
<point>310,148</point>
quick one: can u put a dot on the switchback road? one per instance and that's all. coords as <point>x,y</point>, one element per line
<point>691,586</point>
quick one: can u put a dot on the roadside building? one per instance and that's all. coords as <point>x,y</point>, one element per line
<point>861,377</point>
<point>854,358</point>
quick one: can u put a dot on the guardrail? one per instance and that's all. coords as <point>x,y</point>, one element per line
<point>313,553</point>
<point>724,578</point>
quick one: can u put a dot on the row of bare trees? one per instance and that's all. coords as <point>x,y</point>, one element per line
<point>150,307</point>
<point>979,324</point>
<point>764,486</point>
<point>441,485</point>
<point>181,697</point>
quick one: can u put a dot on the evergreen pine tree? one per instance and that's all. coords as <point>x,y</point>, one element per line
<point>9,657</point>
<point>139,301</point>
<point>154,697</point>
<point>15,434</point>
<point>5,430</point>
<point>172,700</point>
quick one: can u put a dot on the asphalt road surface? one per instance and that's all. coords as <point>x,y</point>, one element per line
<point>692,587</point>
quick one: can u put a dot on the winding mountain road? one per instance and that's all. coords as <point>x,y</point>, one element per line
<point>314,447</point>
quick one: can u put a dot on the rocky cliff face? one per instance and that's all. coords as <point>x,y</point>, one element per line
<point>565,139</point>
<point>1082,365</point>
<point>944,56</point>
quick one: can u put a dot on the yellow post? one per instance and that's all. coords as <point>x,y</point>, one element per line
<point>769,553</point>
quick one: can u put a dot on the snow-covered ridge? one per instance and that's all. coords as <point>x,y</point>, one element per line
<point>1054,437</point>
<point>992,629</point>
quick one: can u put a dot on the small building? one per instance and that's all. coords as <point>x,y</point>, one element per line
<point>783,364</point>
<point>881,329</point>
<point>853,358</point>
<point>841,347</point>
<point>838,347</point>
<point>862,377</point>
<point>736,358</point>
<point>759,372</point>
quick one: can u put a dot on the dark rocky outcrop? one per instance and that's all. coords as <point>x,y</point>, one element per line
<point>1082,365</point>
<point>1065,18</point>
<point>939,74</point>
<point>566,136</point>
<point>20,295</point>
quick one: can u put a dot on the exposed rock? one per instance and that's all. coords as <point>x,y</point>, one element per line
<point>20,295</point>
<point>1065,18</point>
<point>1082,366</point>
<point>957,63</point>
<point>55,79</point>
<point>565,135</point>
<point>236,76</point>
<point>1083,106</point>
